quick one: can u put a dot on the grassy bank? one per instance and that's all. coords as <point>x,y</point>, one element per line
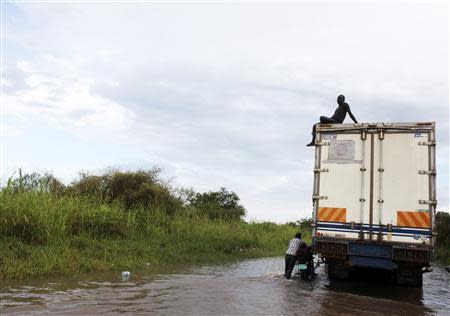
<point>43,233</point>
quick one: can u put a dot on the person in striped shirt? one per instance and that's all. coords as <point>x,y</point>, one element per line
<point>291,255</point>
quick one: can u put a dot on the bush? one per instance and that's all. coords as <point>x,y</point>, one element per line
<point>142,189</point>
<point>443,237</point>
<point>36,182</point>
<point>218,205</point>
<point>134,190</point>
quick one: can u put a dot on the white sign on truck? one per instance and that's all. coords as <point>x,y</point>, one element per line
<point>374,197</point>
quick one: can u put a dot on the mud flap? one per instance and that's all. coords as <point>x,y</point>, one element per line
<point>371,256</point>
<point>376,263</point>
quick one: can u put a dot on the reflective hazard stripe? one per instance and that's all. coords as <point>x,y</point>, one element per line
<point>413,219</point>
<point>365,228</point>
<point>332,214</point>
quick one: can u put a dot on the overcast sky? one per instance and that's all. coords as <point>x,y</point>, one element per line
<point>217,94</point>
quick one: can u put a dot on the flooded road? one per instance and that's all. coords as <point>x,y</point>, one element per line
<point>250,287</point>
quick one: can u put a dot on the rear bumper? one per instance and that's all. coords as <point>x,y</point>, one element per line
<point>377,255</point>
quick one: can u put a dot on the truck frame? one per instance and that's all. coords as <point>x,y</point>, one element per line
<point>374,198</point>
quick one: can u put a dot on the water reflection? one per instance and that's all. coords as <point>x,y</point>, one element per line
<point>247,287</point>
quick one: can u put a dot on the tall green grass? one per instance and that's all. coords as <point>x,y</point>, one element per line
<point>43,234</point>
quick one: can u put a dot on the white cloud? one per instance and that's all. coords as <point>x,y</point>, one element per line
<point>10,131</point>
<point>225,95</point>
<point>66,102</point>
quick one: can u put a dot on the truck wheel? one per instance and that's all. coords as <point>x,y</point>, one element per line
<point>337,270</point>
<point>410,276</point>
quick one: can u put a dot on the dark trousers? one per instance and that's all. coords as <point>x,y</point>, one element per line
<point>310,268</point>
<point>290,263</point>
<point>323,120</point>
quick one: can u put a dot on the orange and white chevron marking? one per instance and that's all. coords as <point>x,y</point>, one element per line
<point>332,214</point>
<point>413,219</point>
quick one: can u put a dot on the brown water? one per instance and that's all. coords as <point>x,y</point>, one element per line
<point>250,287</point>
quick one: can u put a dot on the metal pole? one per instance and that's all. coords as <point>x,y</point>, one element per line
<point>316,182</point>
<point>363,172</point>
<point>432,182</point>
<point>380,186</point>
<point>371,186</point>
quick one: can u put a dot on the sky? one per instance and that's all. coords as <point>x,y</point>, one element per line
<point>218,94</point>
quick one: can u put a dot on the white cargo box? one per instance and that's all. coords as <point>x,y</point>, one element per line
<point>375,182</point>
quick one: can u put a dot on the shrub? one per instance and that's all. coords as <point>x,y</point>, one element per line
<point>219,205</point>
<point>443,237</point>
<point>36,182</point>
<point>137,189</point>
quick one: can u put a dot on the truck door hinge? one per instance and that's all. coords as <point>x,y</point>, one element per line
<point>364,134</point>
<point>427,143</point>
<point>320,170</point>
<point>430,202</point>
<point>380,134</point>
<point>429,172</point>
<point>320,197</point>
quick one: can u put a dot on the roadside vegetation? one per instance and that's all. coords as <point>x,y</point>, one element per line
<point>123,221</point>
<point>443,237</point>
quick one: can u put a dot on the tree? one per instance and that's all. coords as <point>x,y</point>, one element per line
<point>37,182</point>
<point>219,204</point>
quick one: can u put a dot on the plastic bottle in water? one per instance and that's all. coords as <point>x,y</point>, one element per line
<point>125,275</point>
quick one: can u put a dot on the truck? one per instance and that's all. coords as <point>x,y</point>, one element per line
<point>374,198</point>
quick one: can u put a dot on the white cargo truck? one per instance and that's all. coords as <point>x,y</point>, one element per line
<point>374,198</point>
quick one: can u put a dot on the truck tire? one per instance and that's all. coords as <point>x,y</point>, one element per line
<point>410,276</point>
<point>337,270</point>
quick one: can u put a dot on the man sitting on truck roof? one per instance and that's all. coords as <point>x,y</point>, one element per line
<point>337,118</point>
<point>291,254</point>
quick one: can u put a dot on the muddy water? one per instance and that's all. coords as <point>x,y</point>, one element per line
<point>250,287</point>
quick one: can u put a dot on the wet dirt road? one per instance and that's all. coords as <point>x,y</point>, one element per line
<point>250,287</point>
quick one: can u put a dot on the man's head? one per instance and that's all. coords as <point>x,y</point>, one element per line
<point>298,235</point>
<point>340,99</point>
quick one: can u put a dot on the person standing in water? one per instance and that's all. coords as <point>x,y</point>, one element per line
<point>337,118</point>
<point>291,255</point>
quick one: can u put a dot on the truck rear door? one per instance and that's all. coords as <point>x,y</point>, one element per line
<point>375,182</point>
